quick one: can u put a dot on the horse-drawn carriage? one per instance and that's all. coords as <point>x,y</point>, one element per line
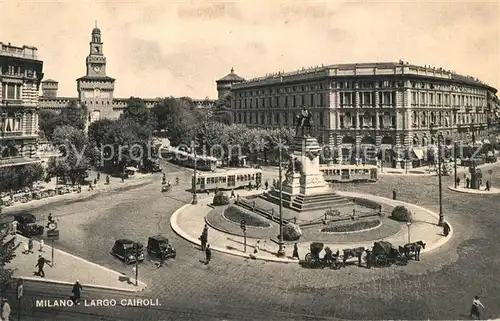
<point>330,259</point>
<point>385,254</point>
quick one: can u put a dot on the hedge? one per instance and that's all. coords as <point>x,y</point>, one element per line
<point>401,214</point>
<point>236,215</point>
<point>352,226</point>
<point>367,203</point>
<point>220,199</point>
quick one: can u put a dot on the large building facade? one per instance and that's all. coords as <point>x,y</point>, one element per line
<point>20,76</point>
<point>370,104</point>
<point>96,89</point>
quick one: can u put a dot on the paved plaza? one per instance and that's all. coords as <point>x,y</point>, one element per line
<point>235,288</point>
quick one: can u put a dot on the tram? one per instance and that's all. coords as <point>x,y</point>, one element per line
<point>228,179</point>
<point>180,157</point>
<point>349,173</point>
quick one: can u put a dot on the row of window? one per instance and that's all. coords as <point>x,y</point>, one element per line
<point>438,98</point>
<point>448,87</point>
<point>11,91</point>
<point>367,120</point>
<point>281,101</point>
<point>272,118</point>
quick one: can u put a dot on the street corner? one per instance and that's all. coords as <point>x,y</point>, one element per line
<point>60,267</point>
<point>492,190</point>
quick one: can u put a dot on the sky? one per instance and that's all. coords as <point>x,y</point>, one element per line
<point>180,48</point>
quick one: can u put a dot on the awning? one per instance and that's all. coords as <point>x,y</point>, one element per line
<point>419,152</point>
<point>133,169</point>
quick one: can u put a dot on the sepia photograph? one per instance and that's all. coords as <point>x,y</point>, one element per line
<point>281,160</point>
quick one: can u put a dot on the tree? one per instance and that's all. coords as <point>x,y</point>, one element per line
<point>76,154</point>
<point>222,110</point>
<point>18,177</point>
<point>74,115</point>
<point>208,135</point>
<point>8,247</point>
<point>138,112</point>
<point>97,132</point>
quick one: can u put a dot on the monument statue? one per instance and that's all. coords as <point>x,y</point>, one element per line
<point>304,122</point>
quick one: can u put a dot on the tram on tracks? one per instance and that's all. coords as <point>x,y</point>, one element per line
<point>228,179</point>
<point>183,158</point>
<point>349,173</point>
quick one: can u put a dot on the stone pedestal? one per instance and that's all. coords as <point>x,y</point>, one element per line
<point>304,188</point>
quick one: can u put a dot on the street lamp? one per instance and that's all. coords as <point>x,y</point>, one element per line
<point>195,197</point>
<point>456,153</point>
<point>281,250</point>
<point>439,136</point>
<point>408,224</point>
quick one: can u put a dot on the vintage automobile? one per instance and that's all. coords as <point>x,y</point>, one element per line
<point>159,244</point>
<point>26,225</point>
<point>125,250</point>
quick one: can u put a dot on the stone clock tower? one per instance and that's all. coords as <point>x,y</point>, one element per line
<point>95,89</point>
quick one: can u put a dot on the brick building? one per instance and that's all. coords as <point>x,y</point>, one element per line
<point>20,75</point>
<point>370,104</point>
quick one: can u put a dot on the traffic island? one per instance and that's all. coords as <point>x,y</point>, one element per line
<point>65,268</point>
<point>482,191</point>
<point>189,220</point>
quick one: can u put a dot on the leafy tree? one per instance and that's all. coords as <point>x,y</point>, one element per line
<point>208,137</point>
<point>8,247</point>
<point>77,154</point>
<point>74,115</point>
<point>137,111</point>
<point>97,131</point>
<point>222,111</point>
<point>18,177</point>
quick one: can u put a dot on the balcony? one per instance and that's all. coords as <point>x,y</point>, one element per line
<point>11,102</point>
<point>16,161</point>
<point>10,135</point>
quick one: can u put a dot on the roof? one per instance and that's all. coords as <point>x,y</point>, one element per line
<point>96,30</point>
<point>50,80</point>
<point>125,241</point>
<point>96,78</point>
<point>159,238</point>
<point>231,77</point>
<point>233,171</point>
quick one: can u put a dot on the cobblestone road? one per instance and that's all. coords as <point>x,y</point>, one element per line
<point>234,288</point>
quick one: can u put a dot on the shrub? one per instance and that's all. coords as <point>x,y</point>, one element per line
<point>351,226</point>
<point>366,203</point>
<point>401,214</point>
<point>220,199</point>
<point>291,232</point>
<point>236,214</point>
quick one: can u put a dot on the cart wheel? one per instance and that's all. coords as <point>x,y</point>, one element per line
<point>308,258</point>
<point>336,265</point>
<point>404,260</point>
<point>127,260</point>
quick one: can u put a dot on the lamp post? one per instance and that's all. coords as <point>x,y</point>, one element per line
<point>441,215</point>
<point>281,250</point>
<point>195,197</point>
<point>456,153</point>
<point>408,224</point>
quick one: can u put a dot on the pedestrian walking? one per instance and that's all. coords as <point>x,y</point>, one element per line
<point>98,176</point>
<point>458,181</point>
<point>77,287</point>
<point>232,194</point>
<point>266,184</point>
<point>203,241</point>
<point>488,185</point>
<point>369,259</point>
<point>446,229</point>
<point>467,182</point>
<point>5,310</point>
<point>208,254</point>
<point>42,243</point>
<point>107,179</point>
<point>26,248</point>
<point>474,311</point>
<point>256,251</point>
<point>95,181</point>
<point>295,253</point>
<point>30,245</point>
<point>40,264</point>
<point>14,227</point>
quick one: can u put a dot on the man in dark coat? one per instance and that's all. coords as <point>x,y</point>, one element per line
<point>295,253</point>
<point>208,254</point>
<point>446,229</point>
<point>203,240</point>
<point>368,259</point>
<point>77,287</point>
<point>30,245</point>
<point>40,264</point>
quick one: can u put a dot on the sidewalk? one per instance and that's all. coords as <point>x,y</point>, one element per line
<point>69,268</point>
<point>115,184</point>
<point>460,189</point>
<point>188,222</point>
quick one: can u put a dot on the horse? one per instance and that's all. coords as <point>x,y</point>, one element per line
<point>414,247</point>
<point>350,253</point>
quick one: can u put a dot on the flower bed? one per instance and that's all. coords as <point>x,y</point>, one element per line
<point>236,215</point>
<point>351,226</point>
<point>366,203</point>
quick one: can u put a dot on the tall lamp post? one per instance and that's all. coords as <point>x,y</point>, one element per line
<point>195,197</point>
<point>439,136</point>
<point>281,250</point>
<point>456,154</point>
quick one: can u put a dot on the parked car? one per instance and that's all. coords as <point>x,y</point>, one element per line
<point>151,165</point>
<point>159,244</point>
<point>124,249</point>
<point>26,225</point>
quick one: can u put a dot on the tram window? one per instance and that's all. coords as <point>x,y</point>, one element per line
<point>198,181</point>
<point>223,179</point>
<point>253,177</point>
<point>245,178</point>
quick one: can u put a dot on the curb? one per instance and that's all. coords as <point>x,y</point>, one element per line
<point>175,227</point>
<point>144,285</point>
<point>102,287</point>
<point>476,192</point>
<point>386,200</point>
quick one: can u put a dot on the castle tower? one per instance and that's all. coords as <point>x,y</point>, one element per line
<point>96,89</point>
<point>224,84</point>
<point>49,88</point>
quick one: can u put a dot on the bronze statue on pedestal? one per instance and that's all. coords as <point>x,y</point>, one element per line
<point>304,122</point>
